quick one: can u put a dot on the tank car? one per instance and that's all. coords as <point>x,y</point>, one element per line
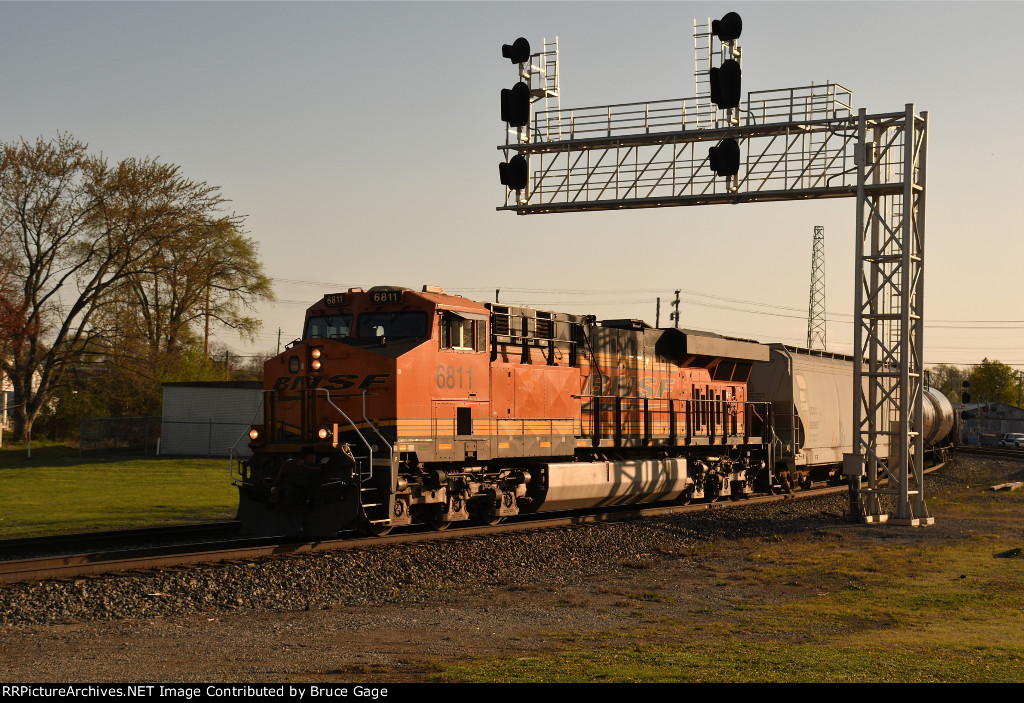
<point>400,406</point>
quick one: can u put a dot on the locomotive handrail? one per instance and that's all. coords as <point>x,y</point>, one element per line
<point>717,420</point>
<point>369,447</point>
<point>391,449</point>
<point>235,481</point>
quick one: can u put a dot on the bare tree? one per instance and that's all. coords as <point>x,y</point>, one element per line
<point>76,229</point>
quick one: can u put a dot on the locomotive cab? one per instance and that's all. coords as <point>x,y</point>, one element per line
<point>379,378</point>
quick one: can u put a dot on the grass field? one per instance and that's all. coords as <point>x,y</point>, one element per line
<point>853,604</point>
<point>909,613</point>
<point>57,492</point>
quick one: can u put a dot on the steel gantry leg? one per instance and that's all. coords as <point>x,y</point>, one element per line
<point>888,329</point>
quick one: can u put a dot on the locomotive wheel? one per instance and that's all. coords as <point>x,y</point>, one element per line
<point>479,516</point>
<point>375,530</point>
<point>435,522</point>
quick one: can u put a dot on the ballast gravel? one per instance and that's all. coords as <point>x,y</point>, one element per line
<point>435,572</point>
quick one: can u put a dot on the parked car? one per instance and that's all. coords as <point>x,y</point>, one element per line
<point>1012,439</point>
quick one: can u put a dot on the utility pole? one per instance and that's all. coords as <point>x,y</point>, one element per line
<point>675,315</point>
<point>657,314</point>
<point>278,341</point>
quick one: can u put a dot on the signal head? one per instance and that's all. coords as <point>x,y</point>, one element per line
<point>728,28</point>
<point>517,52</point>
<point>725,158</point>
<point>515,105</point>
<point>514,174</point>
<point>725,84</point>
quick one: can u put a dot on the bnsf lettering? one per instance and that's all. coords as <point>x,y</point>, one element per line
<point>627,386</point>
<point>341,381</point>
<point>337,382</point>
<point>372,378</point>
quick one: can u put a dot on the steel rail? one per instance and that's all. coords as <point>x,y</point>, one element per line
<point>994,452</point>
<point>24,547</point>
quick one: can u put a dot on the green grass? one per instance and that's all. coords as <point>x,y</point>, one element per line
<point>833,605</point>
<point>731,661</point>
<point>57,492</point>
<point>867,613</point>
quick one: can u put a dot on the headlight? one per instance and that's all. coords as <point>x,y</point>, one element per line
<point>254,434</point>
<point>323,433</point>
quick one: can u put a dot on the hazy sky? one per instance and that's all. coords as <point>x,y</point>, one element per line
<point>359,140</point>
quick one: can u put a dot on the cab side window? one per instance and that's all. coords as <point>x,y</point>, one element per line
<point>458,332</point>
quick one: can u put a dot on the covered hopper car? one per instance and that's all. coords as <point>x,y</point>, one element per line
<point>811,394</point>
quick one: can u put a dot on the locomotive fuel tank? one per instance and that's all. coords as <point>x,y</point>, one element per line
<point>574,485</point>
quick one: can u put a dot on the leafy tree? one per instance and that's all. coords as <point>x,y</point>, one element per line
<point>74,230</point>
<point>209,273</point>
<point>995,382</point>
<point>948,380</point>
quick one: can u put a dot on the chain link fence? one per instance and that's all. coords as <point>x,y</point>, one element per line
<point>150,436</point>
<point>130,435</point>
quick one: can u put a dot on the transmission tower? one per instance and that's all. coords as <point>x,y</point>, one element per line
<point>816,306</point>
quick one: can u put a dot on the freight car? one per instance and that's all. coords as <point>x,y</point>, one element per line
<point>811,394</point>
<point>400,406</point>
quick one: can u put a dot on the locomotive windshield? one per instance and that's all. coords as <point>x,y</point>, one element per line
<point>393,324</point>
<point>369,326</point>
<point>329,327</point>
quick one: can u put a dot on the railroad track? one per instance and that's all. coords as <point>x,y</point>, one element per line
<point>34,547</point>
<point>72,565</point>
<point>235,548</point>
<point>994,452</point>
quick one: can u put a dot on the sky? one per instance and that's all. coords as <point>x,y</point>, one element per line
<point>359,141</point>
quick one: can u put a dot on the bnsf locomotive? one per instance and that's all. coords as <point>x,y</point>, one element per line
<point>401,406</point>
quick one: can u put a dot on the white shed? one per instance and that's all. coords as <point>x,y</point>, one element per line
<point>208,419</point>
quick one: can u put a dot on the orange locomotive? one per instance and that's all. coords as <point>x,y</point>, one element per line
<point>400,406</point>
